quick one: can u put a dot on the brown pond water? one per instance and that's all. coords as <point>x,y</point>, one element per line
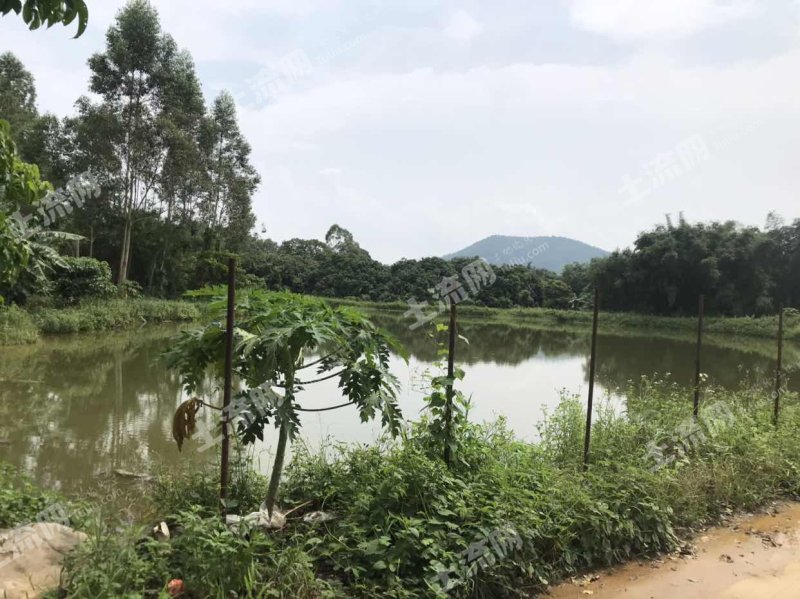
<point>754,557</point>
<point>74,409</point>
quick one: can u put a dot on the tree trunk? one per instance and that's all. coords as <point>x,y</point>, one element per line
<point>124,256</point>
<point>277,469</point>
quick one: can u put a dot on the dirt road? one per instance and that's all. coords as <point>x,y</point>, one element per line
<point>754,557</point>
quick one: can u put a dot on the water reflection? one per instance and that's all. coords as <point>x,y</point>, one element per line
<point>74,409</point>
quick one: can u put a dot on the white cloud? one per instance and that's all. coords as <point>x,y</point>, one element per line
<point>419,156</point>
<point>636,19</point>
<point>462,27</point>
<point>520,149</point>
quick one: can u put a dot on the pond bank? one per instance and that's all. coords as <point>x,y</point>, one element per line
<point>610,322</point>
<point>19,326</point>
<point>751,557</point>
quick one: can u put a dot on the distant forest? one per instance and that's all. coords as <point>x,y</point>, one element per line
<point>175,200</point>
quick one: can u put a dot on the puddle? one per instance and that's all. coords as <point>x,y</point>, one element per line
<point>755,557</point>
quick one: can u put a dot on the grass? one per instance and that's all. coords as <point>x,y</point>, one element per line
<point>401,518</point>
<point>610,322</point>
<point>19,326</point>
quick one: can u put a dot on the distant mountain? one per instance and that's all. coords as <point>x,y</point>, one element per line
<point>552,253</point>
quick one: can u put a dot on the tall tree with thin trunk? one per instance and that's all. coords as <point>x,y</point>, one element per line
<point>131,77</point>
<point>232,180</point>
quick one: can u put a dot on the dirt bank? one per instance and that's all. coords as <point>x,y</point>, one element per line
<point>754,557</point>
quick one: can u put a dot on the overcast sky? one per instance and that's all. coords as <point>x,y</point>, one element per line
<point>423,126</point>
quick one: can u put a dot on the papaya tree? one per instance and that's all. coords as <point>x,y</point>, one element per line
<point>285,343</point>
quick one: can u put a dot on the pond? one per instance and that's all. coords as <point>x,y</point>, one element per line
<point>74,410</point>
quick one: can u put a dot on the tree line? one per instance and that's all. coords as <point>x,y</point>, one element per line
<point>175,201</point>
<point>175,174</point>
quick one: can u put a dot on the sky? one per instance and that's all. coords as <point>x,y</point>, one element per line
<point>424,126</point>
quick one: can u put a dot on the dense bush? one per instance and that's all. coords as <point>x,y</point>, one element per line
<point>79,278</point>
<point>401,517</point>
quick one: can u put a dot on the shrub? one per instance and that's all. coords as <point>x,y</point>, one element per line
<point>79,278</point>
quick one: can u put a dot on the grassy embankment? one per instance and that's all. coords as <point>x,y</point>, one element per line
<point>610,322</point>
<point>401,517</point>
<point>18,326</point>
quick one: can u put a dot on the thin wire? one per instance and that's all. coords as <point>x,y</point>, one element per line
<point>344,405</point>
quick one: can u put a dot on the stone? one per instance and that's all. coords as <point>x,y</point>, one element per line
<point>31,558</point>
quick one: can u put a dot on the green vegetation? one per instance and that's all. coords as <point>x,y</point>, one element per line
<point>174,201</point>
<point>276,333</point>
<point>20,500</point>
<point>18,326</point>
<point>36,13</point>
<point>741,270</point>
<point>112,314</point>
<point>401,516</point>
<point>610,322</point>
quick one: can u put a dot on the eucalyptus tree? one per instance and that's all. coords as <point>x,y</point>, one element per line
<point>17,95</point>
<point>147,86</point>
<point>284,344</point>
<point>232,180</point>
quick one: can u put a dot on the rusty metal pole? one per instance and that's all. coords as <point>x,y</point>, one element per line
<point>779,369</point>
<point>592,369</point>
<point>701,309</point>
<point>451,370</point>
<point>227,390</point>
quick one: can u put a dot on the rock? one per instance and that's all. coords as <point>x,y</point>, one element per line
<point>31,556</point>
<point>317,517</point>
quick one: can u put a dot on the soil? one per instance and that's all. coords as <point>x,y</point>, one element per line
<point>752,557</point>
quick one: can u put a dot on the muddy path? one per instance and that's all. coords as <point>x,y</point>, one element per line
<point>753,557</point>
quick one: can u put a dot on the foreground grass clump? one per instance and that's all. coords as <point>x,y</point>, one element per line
<point>20,501</point>
<point>100,315</point>
<point>17,327</point>
<point>402,519</point>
